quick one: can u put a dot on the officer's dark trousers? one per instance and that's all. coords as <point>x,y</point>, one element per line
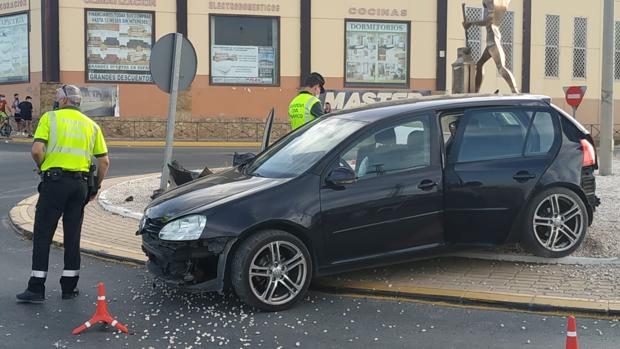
<point>66,197</point>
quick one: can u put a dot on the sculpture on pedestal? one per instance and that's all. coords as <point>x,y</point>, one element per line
<point>495,11</point>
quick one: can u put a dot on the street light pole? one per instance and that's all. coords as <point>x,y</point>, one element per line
<point>606,147</point>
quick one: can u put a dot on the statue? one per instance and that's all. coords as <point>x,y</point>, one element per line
<point>495,10</point>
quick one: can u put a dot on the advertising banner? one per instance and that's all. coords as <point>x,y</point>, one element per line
<point>118,46</point>
<point>99,100</point>
<point>243,64</point>
<point>377,53</point>
<point>347,99</point>
<point>14,65</point>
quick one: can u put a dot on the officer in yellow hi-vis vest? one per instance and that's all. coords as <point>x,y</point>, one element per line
<point>64,143</point>
<point>306,106</point>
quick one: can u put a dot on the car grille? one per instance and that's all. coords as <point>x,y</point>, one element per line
<point>153,226</point>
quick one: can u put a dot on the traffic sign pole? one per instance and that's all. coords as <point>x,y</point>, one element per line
<point>172,109</point>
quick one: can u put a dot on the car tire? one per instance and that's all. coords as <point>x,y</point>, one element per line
<point>278,280</point>
<point>556,222</point>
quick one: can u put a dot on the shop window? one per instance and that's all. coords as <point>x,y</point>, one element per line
<point>14,60</point>
<point>376,53</point>
<point>118,45</point>
<point>244,50</point>
<point>580,47</point>
<point>552,46</point>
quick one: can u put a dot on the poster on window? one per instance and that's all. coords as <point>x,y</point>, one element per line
<point>99,100</point>
<point>243,64</point>
<point>377,53</point>
<point>14,65</point>
<point>118,46</point>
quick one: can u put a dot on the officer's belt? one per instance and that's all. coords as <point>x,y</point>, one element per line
<point>63,173</point>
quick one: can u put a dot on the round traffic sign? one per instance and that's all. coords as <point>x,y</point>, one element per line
<point>574,95</point>
<point>162,60</point>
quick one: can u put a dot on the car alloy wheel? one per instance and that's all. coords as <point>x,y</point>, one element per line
<point>558,222</point>
<point>278,272</point>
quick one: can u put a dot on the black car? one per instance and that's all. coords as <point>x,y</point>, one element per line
<point>377,185</point>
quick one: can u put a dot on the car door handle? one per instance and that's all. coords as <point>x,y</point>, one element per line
<point>523,176</point>
<point>427,184</point>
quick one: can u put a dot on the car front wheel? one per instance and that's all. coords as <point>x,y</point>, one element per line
<point>557,223</point>
<point>271,270</point>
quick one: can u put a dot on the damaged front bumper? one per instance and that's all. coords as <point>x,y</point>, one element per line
<point>192,265</point>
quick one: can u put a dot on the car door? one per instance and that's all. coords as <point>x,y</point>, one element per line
<point>396,203</point>
<point>494,164</point>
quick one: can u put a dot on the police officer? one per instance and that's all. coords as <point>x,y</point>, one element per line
<point>306,106</point>
<point>64,143</point>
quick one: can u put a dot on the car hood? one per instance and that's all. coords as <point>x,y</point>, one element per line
<point>206,191</point>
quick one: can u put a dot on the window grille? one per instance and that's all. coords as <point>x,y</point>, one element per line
<point>617,51</point>
<point>580,47</point>
<point>552,46</point>
<point>474,33</point>
<point>506,28</point>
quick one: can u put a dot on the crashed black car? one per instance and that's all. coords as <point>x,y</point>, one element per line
<point>378,185</point>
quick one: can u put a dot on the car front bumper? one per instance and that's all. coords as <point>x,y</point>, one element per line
<point>191,265</point>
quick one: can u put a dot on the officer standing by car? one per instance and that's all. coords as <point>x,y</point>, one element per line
<point>306,106</point>
<point>64,143</point>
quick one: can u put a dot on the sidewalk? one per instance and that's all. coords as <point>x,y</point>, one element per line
<point>583,288</point>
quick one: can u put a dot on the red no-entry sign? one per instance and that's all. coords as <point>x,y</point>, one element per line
<point>574,95</point>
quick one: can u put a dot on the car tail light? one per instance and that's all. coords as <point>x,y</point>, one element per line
<point>589,155</point>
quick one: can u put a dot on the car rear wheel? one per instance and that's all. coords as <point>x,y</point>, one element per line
<point>271,270</point>
<point>557,223</point>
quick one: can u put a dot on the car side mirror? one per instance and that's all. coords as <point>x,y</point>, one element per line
<point>341,176</point>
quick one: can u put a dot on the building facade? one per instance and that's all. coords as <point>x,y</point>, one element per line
<point>253,54</point>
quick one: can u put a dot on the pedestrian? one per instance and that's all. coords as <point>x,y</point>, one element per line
<point>17,115</point>
<point>4,106</point>
<point>64,143</point>
<point>25,110</point>
<point>328,108</point>
<point>306,106</point>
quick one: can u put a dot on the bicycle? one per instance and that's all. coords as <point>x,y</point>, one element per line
<point>5,125</point>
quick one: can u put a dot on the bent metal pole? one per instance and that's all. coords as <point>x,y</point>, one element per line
<point>172,109</point>
<point>606,146</point>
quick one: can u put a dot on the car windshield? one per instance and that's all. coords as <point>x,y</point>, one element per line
<point>301,149</point>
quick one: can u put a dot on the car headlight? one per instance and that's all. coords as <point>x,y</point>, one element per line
<point>184,228</point>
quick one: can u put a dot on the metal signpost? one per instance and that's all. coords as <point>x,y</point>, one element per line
<point>606,136</point>
<point>574,96</point>
<point>173,68</point>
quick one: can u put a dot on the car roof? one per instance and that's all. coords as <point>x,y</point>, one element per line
<point>377,111</point>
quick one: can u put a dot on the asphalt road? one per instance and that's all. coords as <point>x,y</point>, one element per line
<point>160,317</point>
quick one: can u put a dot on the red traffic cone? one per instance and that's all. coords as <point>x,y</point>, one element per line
<point>571,334</point>
<point>101,314</point>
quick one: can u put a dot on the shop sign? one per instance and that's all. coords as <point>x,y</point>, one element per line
<point>347,99</point>
<point>12,6</point>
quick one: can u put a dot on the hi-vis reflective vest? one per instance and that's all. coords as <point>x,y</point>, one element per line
<point>299,109</point>
<point>71,140</point>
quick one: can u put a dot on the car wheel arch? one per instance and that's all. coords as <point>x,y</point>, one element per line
<point>516,231</point>
<point>285,226</point>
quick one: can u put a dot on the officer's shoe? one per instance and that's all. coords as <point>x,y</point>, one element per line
<point>30,297</point>
<point>70,294</point>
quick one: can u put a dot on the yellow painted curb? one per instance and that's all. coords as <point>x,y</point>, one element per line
<point>122,143</point>
<point>528,300</point>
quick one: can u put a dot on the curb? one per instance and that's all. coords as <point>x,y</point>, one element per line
<point>515,258</point>
<point>475,298</point>
<point>93,253</point>
<point>159,144</point>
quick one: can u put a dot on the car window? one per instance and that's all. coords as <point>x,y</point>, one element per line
<point>396,148</point>
<point>493,135</point>
<point>541,135</point>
